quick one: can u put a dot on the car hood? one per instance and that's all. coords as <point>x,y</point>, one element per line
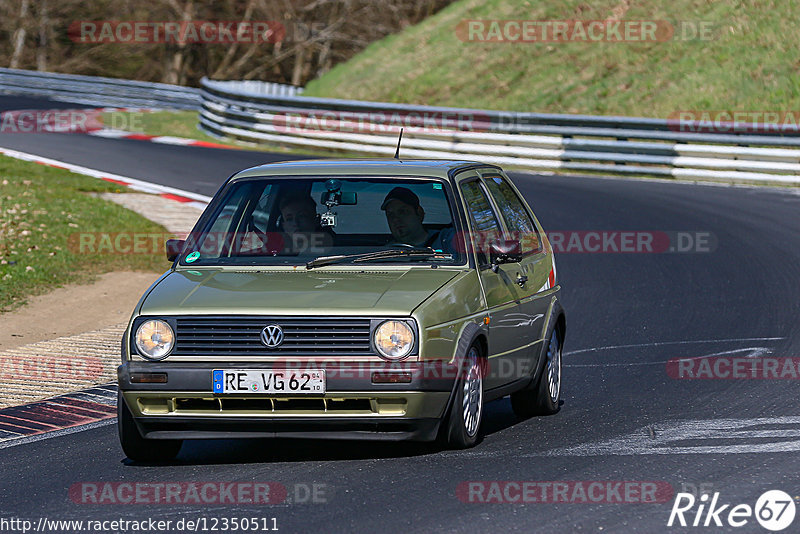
<point>301,292</point>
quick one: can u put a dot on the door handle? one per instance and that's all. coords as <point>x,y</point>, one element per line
<point>521,279</point>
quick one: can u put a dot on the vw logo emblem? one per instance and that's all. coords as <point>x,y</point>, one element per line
<point>272,336</point>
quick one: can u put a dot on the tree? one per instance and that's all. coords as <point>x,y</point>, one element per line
<point>305,37</point>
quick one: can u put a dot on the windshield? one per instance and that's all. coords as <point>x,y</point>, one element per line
<point>292,221</point>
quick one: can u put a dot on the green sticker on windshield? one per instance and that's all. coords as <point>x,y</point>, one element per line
<point>437,186</point>
<point>192,256</point>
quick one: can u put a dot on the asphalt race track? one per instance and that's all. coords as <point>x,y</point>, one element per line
<point>624,418</point>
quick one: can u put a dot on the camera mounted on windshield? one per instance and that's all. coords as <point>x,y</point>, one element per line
<point>334,196</point>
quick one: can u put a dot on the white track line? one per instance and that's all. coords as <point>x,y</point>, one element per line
<point>139,185</point>
<point>13,442</point>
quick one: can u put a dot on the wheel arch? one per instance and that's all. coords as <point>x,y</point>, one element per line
<point>471,334</point>
<point>556,319</point>
<point>561,325</point>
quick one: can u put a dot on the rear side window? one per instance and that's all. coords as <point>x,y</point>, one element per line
<point>485,224</point>
<point>516,217</point>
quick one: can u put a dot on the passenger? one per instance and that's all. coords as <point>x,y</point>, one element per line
<point>300,223</point>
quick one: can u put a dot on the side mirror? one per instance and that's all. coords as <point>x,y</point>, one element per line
<point>174,248</point>
<point>505,251</point>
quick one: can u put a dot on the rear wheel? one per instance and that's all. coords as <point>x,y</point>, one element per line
<point>466,413</point>
<point>135,446</point>
<point>543,397</point>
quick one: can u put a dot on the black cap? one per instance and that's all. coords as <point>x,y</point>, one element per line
<point>403,194</point>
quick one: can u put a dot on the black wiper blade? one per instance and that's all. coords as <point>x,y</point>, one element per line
<point>370,256</point>
<point>400,253</point>
<point>329,260</point>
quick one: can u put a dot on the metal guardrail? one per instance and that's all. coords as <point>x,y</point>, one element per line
<point>98,91</point>
<point>610,145</point>
<point>253,87</point>
<point>101,91</point>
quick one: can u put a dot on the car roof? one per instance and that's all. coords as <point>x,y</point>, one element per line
<point>390,167</point>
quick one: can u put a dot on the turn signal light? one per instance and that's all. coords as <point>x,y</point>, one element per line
<point>391,378</point>
<point>149,378</point>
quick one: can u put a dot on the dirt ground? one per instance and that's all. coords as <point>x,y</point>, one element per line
<point>75,309</point>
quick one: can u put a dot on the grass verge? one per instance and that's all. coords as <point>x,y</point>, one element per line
<point>42,212</point>
<point>174,123</point>
<point>746,61</point>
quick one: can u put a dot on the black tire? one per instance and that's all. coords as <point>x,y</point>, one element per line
<point>463,424</point>
<point>542,397</point>
<point>135,446</point>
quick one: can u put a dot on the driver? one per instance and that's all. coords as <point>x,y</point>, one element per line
<point>405,215</point>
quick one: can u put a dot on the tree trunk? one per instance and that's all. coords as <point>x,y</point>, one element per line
<point>299,65</point>
<point>41,50</point>
<point>19,36</point>
<point>174,71</point>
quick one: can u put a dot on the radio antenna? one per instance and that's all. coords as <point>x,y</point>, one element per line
<point>397,152</point>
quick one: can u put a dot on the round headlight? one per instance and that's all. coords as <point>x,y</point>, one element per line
<point>394,340</point>
<point>155,339</point>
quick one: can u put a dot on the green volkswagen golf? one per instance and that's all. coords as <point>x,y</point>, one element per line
<point>346,299</point>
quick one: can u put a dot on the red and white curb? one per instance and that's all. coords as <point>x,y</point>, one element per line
<point>163,139</point>
<point>171,193</point>
<point>57,416</point>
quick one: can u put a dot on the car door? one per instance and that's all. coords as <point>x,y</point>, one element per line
<point>499,286</point>
<point>535,266</point>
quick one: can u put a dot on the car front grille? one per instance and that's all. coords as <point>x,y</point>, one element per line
<point>241,336</point>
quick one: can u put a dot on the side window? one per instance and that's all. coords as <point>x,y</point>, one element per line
<point>225,223</point>
<point>260,215</point>
<point>517,220</point>
<point>485,224</point>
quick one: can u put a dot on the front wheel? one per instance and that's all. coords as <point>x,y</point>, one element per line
<point>135,446</point>
<point>466,413</point>
<point>543,397</point>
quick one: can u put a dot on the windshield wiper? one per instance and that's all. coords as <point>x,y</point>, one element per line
<point>421,252</point>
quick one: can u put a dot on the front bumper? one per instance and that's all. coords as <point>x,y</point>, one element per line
<point>353,407</point>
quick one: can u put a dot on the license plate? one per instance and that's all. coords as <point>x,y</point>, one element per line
<point>268,381</point>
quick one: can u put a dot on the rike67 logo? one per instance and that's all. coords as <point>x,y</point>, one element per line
<point>774,510</point>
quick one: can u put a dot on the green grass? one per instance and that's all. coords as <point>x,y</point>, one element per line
<point>42,213</point>
<point>749,64</point>
<point>175,123</point>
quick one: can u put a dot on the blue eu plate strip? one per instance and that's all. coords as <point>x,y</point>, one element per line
<point>217,376</point>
